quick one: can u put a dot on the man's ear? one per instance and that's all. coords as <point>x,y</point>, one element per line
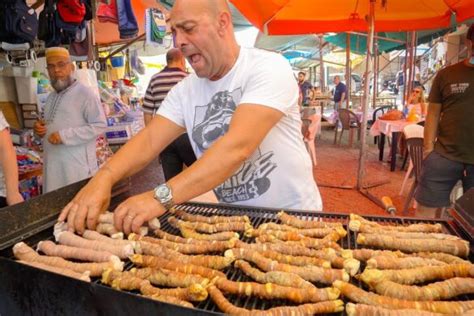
<point>223,22</point>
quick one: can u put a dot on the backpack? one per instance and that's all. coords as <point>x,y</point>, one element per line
<point>18,22</point>
<point>47,29</point>
<point>71,11</point>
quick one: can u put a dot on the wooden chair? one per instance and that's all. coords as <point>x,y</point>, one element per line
<point>349,122</point>
<point>415,149</point>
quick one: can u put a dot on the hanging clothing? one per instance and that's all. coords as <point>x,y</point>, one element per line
<point>76,113</point>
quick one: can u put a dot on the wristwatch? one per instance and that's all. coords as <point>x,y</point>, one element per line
<point>162,194</point>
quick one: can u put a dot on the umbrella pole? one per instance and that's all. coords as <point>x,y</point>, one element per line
<point>365,101</point>
<point>348,69</point>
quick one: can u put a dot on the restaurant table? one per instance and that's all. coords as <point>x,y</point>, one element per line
<point>393,129</point>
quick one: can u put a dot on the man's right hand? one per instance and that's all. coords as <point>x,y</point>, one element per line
<point>40,128</point>
<point>89,202</point>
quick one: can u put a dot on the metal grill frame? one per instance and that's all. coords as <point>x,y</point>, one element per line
<point>257,216</point>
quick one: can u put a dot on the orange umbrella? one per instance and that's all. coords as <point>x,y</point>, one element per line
<point>290,17</point>
<point>285,17</point>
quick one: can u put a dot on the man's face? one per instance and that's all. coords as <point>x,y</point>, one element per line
<point>197,36</point>
<point>59,68</point>
<point>301,77</point>
<point>336,80</point>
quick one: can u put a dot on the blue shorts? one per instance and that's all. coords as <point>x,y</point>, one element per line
<point>438,178</point>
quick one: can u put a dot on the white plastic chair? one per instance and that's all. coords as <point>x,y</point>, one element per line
<point>411,131</point>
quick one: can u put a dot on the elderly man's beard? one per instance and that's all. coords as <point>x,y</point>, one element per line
<point>59,84</point>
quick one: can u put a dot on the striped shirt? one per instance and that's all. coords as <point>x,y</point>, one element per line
<point>160,84</point>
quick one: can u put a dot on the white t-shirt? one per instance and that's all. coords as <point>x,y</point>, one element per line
<point>3,125</point>
<point>279,173</point>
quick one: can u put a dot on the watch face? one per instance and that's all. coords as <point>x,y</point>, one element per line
<point>162,191</point>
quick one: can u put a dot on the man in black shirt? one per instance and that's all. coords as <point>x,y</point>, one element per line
<point>449,128</point>
<point>305,87</point>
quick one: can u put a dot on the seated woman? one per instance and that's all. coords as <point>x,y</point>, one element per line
<point>416,102</point>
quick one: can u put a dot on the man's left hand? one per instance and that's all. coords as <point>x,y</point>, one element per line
<point>130,215</point>
<point>55,138</point>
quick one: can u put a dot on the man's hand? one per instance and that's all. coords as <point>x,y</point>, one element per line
<point>14,198</point>
<point>87,205</point>
<point>130,215</point>
<point>55,138</point>
<point>40,128</point>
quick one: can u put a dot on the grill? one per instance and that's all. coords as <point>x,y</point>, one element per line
<point>26,290</point>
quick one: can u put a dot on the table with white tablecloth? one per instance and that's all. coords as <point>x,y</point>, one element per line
<point>393,130</point>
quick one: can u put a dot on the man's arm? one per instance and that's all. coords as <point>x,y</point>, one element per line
<point>431,126</point>
<point>249,126</point>
<point>132,157</point>
<point>10,168</point>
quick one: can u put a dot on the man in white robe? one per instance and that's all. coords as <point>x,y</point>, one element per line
<point>73,118</point>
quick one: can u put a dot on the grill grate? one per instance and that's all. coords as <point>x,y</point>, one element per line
<point>257,217</point>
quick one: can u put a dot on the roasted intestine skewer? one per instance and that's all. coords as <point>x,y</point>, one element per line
<point>273,291</point>
<point>128,281</point>
<point>296,234</point>
<point>427,228</point>
<point>157,262</point>
<point>454,247</point>
<point>358,295</point>
<point>213,262</point>
<point>194,248</point>
<point>389,262</point>
<point>432,292</point>
<point>305,309</point>
<point>419,275</point>
<point>168,278</point>
<point>357,226</point>
<point>309,273</point>
<point>299,223</point>
<point>24,252</point>
<point>368,310</point>
<point>49,248</point>
<point>190,240</point>
<point>209,228</point>
<point>276,277</point>
<point>69,239</point>
<point>191,233</point>
<point>209,219</point>
<point>293,251</point>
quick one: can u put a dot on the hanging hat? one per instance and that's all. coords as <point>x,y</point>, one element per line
<point>57,52</point>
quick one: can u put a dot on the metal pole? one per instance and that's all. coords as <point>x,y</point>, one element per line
<point>365,100</point>
<point>348,69</point>
<point>321,65</point>
<point>405,77</point>
<point>376,75</point>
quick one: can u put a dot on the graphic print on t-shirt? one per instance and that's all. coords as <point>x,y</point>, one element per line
<point>250,181</point>
<point>211,121</point>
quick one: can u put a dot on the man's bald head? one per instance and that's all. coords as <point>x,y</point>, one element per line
<point>174,55</point>
<point>209,7</point>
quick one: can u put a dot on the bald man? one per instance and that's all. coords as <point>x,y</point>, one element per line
<point>179,152</point>
<point>240,109</point>
<point>73,118</point>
